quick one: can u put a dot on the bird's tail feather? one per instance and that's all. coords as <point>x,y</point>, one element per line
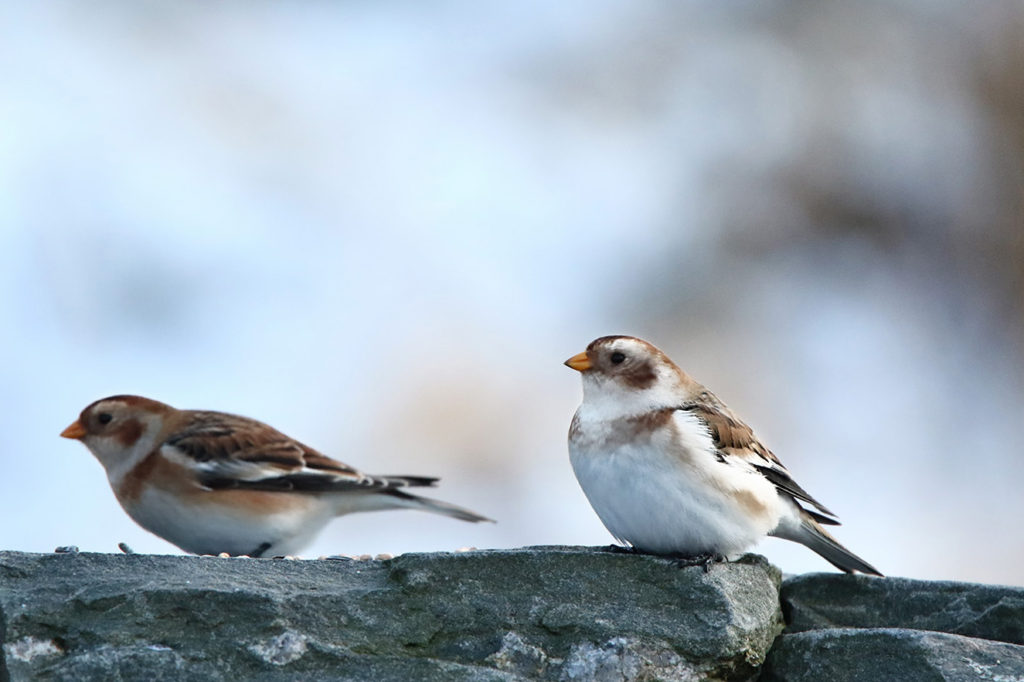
<point>410,481</point>
<point>429,504</point>
<point>810,534</point>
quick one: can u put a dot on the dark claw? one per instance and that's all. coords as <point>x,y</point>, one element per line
<point>258,552</point>
<point>702,560</point>
<point>619,549</point>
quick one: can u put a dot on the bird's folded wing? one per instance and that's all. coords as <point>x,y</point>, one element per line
<point>224,451</point>
<point>734,439</point>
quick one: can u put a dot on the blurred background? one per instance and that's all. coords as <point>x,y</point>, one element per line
<point>382,227</point>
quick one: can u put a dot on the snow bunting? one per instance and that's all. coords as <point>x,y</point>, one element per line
<point>211,482</point>
<point>671,470</point>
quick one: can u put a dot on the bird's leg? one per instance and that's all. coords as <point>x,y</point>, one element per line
<point>703,560</point>
<point>258,552</point>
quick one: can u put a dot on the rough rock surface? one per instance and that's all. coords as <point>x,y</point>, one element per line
<point>850,628</point>
<point>823,600</point>
<point>871,655</point>
<point>558,613</point>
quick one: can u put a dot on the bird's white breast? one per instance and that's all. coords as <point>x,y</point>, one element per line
<point>664,491</point>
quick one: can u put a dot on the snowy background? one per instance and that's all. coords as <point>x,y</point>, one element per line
<point>381,228</point>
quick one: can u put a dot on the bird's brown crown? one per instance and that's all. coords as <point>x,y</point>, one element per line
<point>632,361</point>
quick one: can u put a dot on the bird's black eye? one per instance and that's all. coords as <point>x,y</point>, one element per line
<point>618,357</point>
<point>104,417</point>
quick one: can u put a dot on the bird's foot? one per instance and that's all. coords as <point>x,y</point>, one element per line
<point>619,549</point>
<point>702,560</point>
<point>258,552</point>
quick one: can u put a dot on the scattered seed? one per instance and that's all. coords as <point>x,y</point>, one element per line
<point>123,546</point>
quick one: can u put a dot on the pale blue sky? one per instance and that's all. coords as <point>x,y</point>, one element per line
<point>382,228</point>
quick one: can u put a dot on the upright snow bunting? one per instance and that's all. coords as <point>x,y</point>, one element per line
<point>211,482</point>
<point>671,470</point>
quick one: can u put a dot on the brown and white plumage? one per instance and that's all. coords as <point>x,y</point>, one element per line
<point>211,482</point>
<point>671,470</point>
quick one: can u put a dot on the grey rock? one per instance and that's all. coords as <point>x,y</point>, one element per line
<point>870,655</point>
<point>556,613</point>
<point>822,600</point>
<point>624,659</point>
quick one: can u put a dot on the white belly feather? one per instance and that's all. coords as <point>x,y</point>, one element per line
<point>215,528</point>
<point>669,494</point>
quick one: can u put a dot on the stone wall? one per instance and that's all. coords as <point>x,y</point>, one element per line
<point>549,613</point>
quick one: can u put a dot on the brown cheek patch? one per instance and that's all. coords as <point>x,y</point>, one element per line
<point>129,433</point>
<point>641,377</point>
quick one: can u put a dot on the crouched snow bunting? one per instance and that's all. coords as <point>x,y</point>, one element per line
<point>671,470</point>
<point>214,483</point>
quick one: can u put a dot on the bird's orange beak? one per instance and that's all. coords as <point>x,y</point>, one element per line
<point>579,362</point>
<point>75,431</point>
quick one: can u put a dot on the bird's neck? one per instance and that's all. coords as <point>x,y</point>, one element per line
<point>611,402</point>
